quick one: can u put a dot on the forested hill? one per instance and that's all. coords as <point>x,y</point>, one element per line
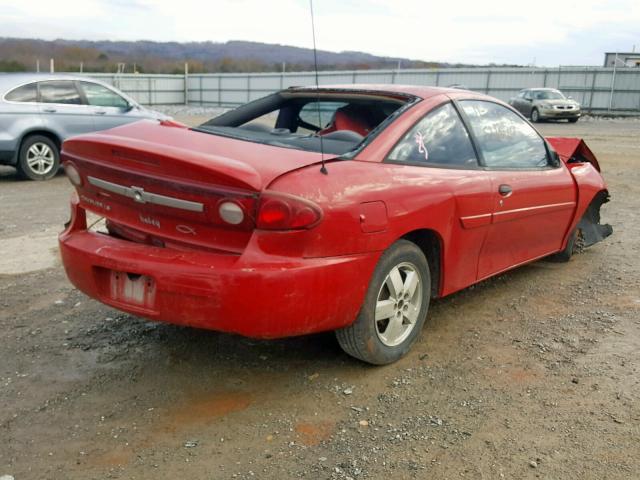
<point>169,57</point>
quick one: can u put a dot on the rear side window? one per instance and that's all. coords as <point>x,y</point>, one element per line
<point>505,139</point>
<point>439,138</point>
<point>25,93</point>
<point>100,96</point>
<point>60,91</point>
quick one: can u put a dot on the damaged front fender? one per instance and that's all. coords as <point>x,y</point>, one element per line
<point>589,228</point>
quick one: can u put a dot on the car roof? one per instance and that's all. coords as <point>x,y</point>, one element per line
<point>420,91</point>
<point>8,81</point>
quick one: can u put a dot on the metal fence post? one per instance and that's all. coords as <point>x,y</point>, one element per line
<point>186,83</point>
<point>613,82</point>
<point>593,88</point>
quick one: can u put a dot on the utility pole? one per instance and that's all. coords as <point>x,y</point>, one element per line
<point>52,67</point>
<point>81,66</point>
<point>38,65</point>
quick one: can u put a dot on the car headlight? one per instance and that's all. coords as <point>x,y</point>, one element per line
<point>547,106</point>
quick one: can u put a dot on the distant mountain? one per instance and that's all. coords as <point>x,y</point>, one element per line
<point>169,57</point>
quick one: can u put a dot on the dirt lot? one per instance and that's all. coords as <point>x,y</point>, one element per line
<point>534,374</point>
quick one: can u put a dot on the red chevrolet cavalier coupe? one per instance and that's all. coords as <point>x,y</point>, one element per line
<point>314,209</point>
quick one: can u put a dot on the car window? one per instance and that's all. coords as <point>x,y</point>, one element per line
<point>505,139</point>
<point>60,91</point>
<point>439,138</point>
<point>548,95</point>
<point>521,94</point>
<point>101,96</point>
<point>527,95</point>
<point>25,93</point>
<point>309,113</point>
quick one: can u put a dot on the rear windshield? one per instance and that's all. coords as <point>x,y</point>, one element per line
<point>333,122</point>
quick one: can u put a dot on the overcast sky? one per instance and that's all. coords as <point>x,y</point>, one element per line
<point>549,32</point>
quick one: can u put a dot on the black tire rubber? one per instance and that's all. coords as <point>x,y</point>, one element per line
<point>360,339</point>
<point>535,119</point>
<point>565,255</point>
<point>573,120</point>
<point>23,168</point>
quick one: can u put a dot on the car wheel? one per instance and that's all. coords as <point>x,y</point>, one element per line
<point>394,309</point>
<point>574,245</point>
<point>573,120</point>
<point>39,158</point>
<point>535,115</point>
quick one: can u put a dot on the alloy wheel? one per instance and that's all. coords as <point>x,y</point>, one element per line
<point>398,304</point>
<point>40,158</point>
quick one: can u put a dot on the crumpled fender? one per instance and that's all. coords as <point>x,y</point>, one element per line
<point>592,189</point>
<point>573,150</point>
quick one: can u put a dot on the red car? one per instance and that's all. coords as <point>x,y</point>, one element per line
<point>338,208</point>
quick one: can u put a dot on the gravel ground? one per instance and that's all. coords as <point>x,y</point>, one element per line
<point>533,374</point>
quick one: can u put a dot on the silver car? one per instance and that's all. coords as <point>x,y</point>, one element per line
<point>38,112</point>
<point>540,104</point>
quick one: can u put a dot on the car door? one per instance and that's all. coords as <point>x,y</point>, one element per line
<point>518,101</point>
<point>62,109</point>
<point>526,104</point>
<point>533,197</point>
<point>109,108</point>
<point>440,174</point>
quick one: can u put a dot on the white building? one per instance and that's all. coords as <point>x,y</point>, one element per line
<point>622,59</point>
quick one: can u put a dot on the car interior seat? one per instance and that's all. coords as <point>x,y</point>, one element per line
<point>350,117</point>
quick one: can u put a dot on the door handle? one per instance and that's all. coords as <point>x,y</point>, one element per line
<point>505,190</point>
<point>49,110</point>
<point>100,112</point>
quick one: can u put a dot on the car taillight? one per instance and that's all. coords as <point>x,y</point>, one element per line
<point>278,211</point>
<point>72,174</point>
<point>231,212</point>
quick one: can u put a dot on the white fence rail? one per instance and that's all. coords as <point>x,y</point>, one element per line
<point>598,89</point>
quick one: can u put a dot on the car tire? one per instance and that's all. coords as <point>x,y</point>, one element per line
<point>573,245</point>
<point>535,115</point>
<point>38,158</point>
<point>573,120</point>
<point>375,337</point>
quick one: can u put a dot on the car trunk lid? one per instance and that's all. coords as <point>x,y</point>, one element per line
<point>164,184</point>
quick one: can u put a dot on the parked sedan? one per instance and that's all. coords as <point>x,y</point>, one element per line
<point>280,218</point>
<point>38,112</point>
<point>540,104</point>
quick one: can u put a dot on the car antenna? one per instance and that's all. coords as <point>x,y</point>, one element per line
<point>323,168</point>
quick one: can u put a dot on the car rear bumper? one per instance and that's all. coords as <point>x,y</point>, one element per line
<point>250,294</point>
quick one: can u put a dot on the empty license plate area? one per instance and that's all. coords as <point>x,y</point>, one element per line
<point>128,288</point>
